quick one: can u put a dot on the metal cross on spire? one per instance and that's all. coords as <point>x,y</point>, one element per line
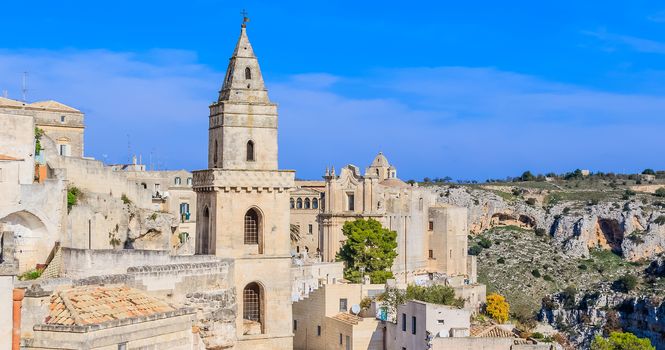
<point>245,19</point>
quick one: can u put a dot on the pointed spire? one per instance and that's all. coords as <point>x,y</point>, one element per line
<point>243,81</point>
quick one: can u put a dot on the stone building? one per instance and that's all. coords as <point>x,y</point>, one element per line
<point>306,205</point>
<point>62,123</point>
<point>243,203</point>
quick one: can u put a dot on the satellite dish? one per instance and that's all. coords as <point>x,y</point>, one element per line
<point>355,309</point>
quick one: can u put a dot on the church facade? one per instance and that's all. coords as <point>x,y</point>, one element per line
<point>243,203</point>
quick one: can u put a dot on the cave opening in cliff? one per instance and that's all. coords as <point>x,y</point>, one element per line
<point>527,221</point>
<point>610,234</point>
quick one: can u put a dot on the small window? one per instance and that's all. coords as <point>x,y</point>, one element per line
<point>350,201</point>
<point>315,203</point>
<point>295,325</point>
<point>62,118</point>
<point>440,321</point>
<point>250,151</point>
<point>189,181</point>
<point>310,229</point>
<point>143,184</point>
<point>340,339</point>
<point>156,187</point>
<point>307,203</point>
<point>431,225</point>
<point>413,324</point>
<point>318,331</point>
<point>122,346</point>
<point>297,249</point>
<point>342,305</point>
<point>292,203</point>
<point>431,254</point>
<point>299,203</point>
<point>248,73</point>
<point>403,322</point>
<point>177,180</point>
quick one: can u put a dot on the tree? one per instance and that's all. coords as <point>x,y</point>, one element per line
<point>527,176</point>
<point>436,294</point>
<point>621,341</point>
<point>368,246</point>
<point>625,283</point>
<point>649,172</point>
<point>660,192</point>
<point>497,307</point>
<point>390,299</point>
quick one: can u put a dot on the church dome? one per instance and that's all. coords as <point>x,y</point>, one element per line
<point>394,182</point>
<point>380,161</point>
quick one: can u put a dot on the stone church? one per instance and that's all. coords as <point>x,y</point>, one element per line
<point>243,203</point>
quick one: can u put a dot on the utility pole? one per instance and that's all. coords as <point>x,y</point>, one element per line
<point>24,86</point>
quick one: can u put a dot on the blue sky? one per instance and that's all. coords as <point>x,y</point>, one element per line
<point>468,90</point>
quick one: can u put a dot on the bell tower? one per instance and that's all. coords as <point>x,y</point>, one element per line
<point>243,121</point>
<point>243,203</point>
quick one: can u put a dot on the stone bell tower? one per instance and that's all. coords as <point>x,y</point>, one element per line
<point>243,203</point>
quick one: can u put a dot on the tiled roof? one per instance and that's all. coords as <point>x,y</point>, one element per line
<point>348,318</point>
<point>491,331</point>
<point>8,102</point>
<point>97,304</point>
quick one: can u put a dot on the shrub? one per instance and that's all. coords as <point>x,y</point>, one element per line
<point>125,199</point>
<point>73,195</point>
<point>660,192</point>
<point>548,278</point>
<point>535,273</point>
<point>531,201</point>
<point>153,217</point>
<point>497,307</point>
<point>501,260</point>
<point>566,210</point>
<point>621,341</point>
<point>625,283</point>
<point>436,294</point>
<point>485,243</point>
<point>30,275</point>
<point>540,232</point>
<point>660,220</point>
<point>475,250</point>
<point>582,267</point>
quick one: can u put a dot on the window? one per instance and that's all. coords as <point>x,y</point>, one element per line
<point>310,229</point>
<point>431,254</point>
<point>299,203</point>
<point>252,227</point>
<point>403,322</point>
<point>156,187</point>
<point>413,324</point>
<point>62,118</point>
<point>342,305</point>
<point>295,325</point>
<point>251,301</point>
<point>248,73</point>
<point>315,203</point>
<point>440,321</point>
<point>250,151</point>
<point>340,339</point>
<point>64,150</point>
<point>318,331</point>
<point>143,184</point>
<point>297,249</point>
<point>121,346</point>
<point>184,208</point>
<point>348,342</point>
<point>189,181</point>
<point>350,201</point>
<point>214,157</point>
<point>307,203</point>
<point>177,180</point>
<point>292,203</point>
<point>431,225</point>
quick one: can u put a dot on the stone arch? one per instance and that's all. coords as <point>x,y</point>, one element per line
<point>299,203</point>
<point>307,203</point>
<point>253,308</point>
<point>31,238</point>
<point>292,203</point>
<point>204,242</point>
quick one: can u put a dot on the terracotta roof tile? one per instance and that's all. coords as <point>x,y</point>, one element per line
<point>97,304</point>
<point>491,331</point>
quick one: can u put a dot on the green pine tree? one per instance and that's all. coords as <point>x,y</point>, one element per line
<point>370,246</point>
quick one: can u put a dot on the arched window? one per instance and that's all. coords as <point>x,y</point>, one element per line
<point>252,227</point>
<point>203,242</point>
<point>143,184</point>
<point>248,73</point>
<point>315,203</point>
<point>252,308</point>
<point>250,150</point>
<point>307,203</point>
<point>189,181</point>
<point>299,203</point>
<point>293,203</point>
<point>214,157</point>
<point>177,180</point>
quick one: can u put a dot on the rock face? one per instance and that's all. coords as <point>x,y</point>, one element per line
<point>100,221</point>
<point>628,227</point>
<point>585,315</point>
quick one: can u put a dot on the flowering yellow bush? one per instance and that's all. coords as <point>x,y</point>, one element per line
<point>497,307</point>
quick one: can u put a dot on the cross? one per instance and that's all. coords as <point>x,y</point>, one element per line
<point>244,14</point>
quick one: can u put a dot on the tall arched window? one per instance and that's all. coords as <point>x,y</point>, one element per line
<point>299,203</point>
<point>177,180</point>
<point>307,203</point>
<point>315,203</point>
<point>252,226</point>
<point>203,242</point>
<point>248,73</point>
<point>252,308</point>
<point>214,157</point>
<point>250,150</point>
<point>293,203</point>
